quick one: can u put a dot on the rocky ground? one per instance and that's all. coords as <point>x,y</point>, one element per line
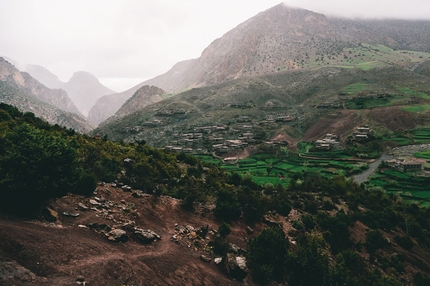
<point>119,236</point>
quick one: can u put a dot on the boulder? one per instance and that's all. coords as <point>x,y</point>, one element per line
<point>217,260</point>
<point>117,235</point>
<point>49,214</point>
<point>205,258</point>
<point>236,266</point>
<point>146,236</point>
<point>83,207</point>
<point>98,227</point>
<point>249,230</point>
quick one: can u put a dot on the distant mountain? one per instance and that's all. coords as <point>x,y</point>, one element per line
<point>143,97</point>
<point>83,87</point>
<point>284,38</point>
<point>44,76</point>
<point>107,105</point>
<point>28,95</point>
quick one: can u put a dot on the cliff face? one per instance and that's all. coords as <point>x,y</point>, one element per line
<point>28,95</point>
<point>281,38</point>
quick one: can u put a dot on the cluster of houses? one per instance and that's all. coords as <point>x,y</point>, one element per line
<point>223,139</point>
<point>362,133</point>
<point>171,112</point>
<point>327,143</point>
<point>277,118</point>
<point>405,165</point>
<point>334,104</point>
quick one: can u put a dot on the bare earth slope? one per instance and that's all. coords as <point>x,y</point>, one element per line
<point>60,252</point>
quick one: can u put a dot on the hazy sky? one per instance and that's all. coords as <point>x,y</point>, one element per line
<point>124,42</point>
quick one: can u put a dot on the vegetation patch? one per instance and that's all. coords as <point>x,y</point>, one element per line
<point>417,108</point>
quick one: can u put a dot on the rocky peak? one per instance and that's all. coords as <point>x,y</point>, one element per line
<point>144,96</point>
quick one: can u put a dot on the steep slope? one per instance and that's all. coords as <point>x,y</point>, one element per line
<point>55,97</point>
<point>44,76</point>
<point>144,96</point>
<point>292,95</point>
<point>28,95</point>
<point>84,89</point>
<point>107,105</point>
<point>285,38</point>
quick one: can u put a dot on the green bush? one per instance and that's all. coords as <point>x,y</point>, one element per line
<point>267,255</point>
<point>35,167</point>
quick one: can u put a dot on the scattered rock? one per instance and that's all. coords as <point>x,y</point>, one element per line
<point>99,227</point>
<point>126,188</point>
<point>249,230</point>
<point>218,260</point>
<point>236,266</point>
<point>70,214</point>
<point>137,194</point>
<point>117,235</point>
<point>94,203</point>
<point>83,207</point>
<point>49,214</point>
<point>271,222</point>
<point>205,258</point>
<point>146,236</point>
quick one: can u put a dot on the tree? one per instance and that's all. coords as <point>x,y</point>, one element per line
<point>267,254</point>
<point>35,166</point>
<point>227,206</point>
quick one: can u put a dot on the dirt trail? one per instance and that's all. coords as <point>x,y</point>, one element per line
<point>58,253</point>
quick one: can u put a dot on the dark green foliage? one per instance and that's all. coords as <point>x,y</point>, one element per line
<point>308,265</point>
<point>349,269</point>
<point>35,166</point>
<point>404,241</point>
<point>308,221</point>
<point>336,231</point>
<point>227,206</point>
<point>421,279</point>
<point>375,240</point>
<point>86,185</point>
<point>224,229</point>
<point>267,255</point>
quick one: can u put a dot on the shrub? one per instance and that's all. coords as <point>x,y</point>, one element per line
<point>36,166</point>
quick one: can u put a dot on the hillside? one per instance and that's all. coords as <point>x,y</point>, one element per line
<point>284,38</point>
<point>296,97</point>
<point>160,218</point>
<point>28,95</point>
<point>107,105</point>
<point>55,97</point>
<point>144,96</point>
<point>83,88</point>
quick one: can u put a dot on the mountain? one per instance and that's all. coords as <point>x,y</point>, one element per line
<point>84,89</point>
<point>44,76</point>
<point>56,97</point>
<point>289,102</point>
<point>285,38</point>
<point>144,96</point>
<point>107,105</point>
<point>28,95</point>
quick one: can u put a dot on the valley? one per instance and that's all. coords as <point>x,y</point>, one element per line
<point>294,151</point>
